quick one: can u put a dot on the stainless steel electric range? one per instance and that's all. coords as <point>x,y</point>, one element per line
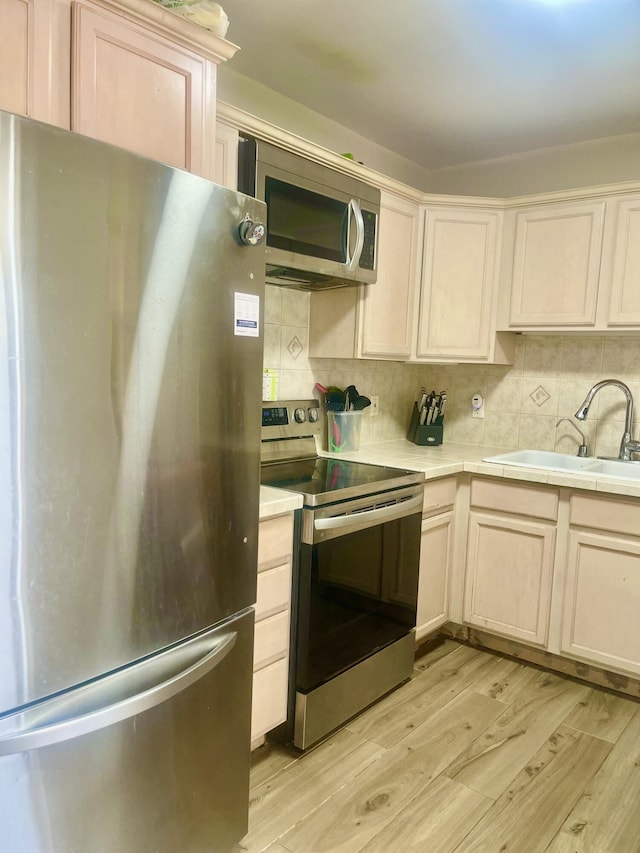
<point>355,577</point>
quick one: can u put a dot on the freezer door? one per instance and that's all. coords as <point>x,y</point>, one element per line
<point>152,758</point>
<point>130,381</point>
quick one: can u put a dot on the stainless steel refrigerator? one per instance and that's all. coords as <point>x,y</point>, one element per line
<point>130,379</point>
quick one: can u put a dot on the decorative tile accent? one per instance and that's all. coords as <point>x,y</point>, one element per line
<point>540,396</point>
<point>295,347</point>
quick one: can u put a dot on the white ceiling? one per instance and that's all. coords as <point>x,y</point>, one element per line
<point>445,82</point>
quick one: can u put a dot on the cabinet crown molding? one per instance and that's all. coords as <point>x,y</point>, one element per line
<point>174,27</point>
<point>249,123</point>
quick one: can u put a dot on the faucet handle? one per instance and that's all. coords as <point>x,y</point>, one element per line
<point>632,446</point>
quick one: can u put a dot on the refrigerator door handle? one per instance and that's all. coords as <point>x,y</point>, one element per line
<point>53,722</point>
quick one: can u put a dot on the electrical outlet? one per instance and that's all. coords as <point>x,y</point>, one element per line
<point>373,410</point>
<point>477,406</point>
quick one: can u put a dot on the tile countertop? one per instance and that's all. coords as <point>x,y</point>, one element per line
<point>277,501</point>
<point>454,458</point>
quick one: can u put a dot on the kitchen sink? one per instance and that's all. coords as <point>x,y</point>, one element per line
<point>544,459</point>
<point>552,461</point>
<point>616,468</point>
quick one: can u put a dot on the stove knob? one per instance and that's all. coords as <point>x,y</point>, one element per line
<point>313,416</point>
<point>299,416</point>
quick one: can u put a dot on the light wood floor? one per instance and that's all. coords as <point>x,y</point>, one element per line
<point>476,753</point>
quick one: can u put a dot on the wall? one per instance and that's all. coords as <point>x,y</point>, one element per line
<point>549,379</point>
<point>270,106</point>
<point>584,164</point>
<point>286,350</point>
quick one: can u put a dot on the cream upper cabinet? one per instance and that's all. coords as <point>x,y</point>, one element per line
<point>226,156</point>
<point>433,305</point>
<point>621,263</point>
<point>128,72</point>
<point>459,284</point>
<point>34,59</point>
<point>387,306</point>
<point>134,88</point>
<point>375,320</point>
<point>510,559</point>
<point>554,271</point>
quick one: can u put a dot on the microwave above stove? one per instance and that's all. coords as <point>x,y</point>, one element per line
<point>322,225</point>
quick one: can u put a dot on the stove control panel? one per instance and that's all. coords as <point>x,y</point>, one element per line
<point>290,419</point>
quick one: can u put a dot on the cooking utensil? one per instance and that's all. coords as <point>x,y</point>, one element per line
<point>360,403</point>
<point>351,394</point>
<point>334,400</point>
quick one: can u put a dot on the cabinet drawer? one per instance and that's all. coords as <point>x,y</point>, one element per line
<point>617,516</point>
<point>269,704</point>
<point>275,541</point>
<point>271,640</point>
<point>515,498</point>
<point>274,591</point>
<point>439,495</point>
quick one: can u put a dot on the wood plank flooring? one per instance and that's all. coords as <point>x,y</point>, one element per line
<point>476,754</point>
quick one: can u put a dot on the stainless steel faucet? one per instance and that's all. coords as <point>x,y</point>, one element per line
<point>627,445</point>
<point>583,450</point>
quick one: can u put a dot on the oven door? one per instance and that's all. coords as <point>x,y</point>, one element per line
<point>358,582</point>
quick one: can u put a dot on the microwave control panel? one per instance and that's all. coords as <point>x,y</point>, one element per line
<point>368,256</point>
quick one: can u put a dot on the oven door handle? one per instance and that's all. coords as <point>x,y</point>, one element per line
<point>358,520</point>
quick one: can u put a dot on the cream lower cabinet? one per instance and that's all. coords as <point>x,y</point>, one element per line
<point>436,555</point>
<point>601,607</point>
<point>273,614</point>
<point>510,559</point>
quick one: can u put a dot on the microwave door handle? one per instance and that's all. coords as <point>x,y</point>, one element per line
<point>354,208</point>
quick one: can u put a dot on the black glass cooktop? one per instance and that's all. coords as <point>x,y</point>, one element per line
<point>323,480</point>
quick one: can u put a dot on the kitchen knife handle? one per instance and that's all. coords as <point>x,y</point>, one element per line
<point>96,705</point>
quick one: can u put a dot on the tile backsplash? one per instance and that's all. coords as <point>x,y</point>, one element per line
<point>523,402</point>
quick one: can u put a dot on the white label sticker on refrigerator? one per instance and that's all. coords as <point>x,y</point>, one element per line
<point>246,314</point>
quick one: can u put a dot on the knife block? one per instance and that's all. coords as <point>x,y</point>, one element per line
<point>429,436</point>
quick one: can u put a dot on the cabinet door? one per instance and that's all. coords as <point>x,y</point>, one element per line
<point>556,265</point>
<point>133,88</point>
<point>602,593</point>
<point>436,551</point>
<point>226,156</point>
<point>458,284</point>
<point>508,576</point>
<point>34,59</point>
<point>269,702</point>
<point>273,613</point>
<point>624,305</point>
<point>387,306</point>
